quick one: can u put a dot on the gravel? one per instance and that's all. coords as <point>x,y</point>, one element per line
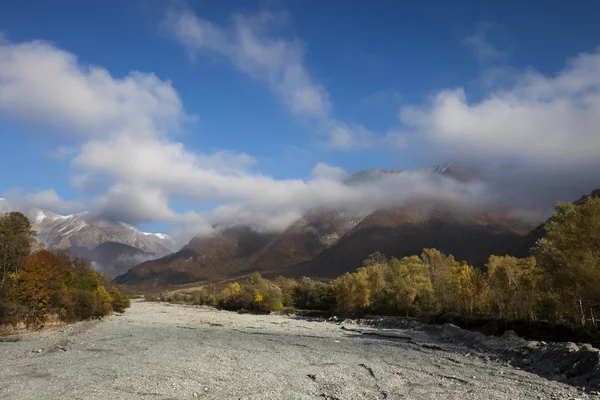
<point>163,351</point>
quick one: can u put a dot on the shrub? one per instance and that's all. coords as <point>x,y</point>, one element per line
<point>79,305</point>
<point>120,301</point>
<point>102,299</point>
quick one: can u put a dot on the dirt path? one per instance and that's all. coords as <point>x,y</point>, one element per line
<point>161,351</point>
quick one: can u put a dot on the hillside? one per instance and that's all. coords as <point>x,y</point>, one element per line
<point>327,243</point>
<point>405,231</point>
<point>224,254</point>
<point>303,250</point>
<point>112,258</point>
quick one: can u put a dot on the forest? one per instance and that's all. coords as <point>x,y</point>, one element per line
<point>38,285</point>
<point>559,282</point>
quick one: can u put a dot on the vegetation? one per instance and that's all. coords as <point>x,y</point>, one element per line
<point>560,284</point>
<point>36,283</point>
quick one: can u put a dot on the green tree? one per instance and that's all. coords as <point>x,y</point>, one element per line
<point>16,241</point>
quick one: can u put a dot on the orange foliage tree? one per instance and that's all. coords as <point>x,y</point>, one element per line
<point>40,285</point>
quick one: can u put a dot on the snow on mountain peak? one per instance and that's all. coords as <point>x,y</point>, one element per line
<point>158,235</point>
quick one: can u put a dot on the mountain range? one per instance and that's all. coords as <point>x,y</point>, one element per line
<point>323,243</point>
<point>113,247</point>
<point>326,243</point>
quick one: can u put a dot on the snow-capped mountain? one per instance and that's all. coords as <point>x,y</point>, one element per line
<point>82,230</point>
<point>112,246</point>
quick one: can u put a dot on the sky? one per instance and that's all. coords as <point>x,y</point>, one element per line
<point>174,115</point>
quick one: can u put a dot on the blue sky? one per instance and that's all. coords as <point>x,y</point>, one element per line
<point>371,70</point>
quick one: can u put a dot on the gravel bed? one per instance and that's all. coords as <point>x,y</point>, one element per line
<point>163,351</point>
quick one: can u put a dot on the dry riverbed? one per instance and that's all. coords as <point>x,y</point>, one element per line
<point>162,351</point>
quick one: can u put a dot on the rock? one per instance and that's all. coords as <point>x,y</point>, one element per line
<point>571,347</point>
<point>532,345</point>
<point>589,347</point>
<point>510,334</point>
<point>195,394</point>
<point>526,361</point>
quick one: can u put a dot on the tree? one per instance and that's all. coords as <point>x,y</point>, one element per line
<point>16,241</point>
<point>288,288</point>
<point>40,284</point>
<point>570,253</point>
<point>469,288</point>
<point>374,259</point>
<point>409,286</point>
<point>442,270</point>
<point>514,286</point>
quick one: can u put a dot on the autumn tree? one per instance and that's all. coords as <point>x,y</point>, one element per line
<point>442,271</point>
<point>570,253</point>
<point>40,285</point>
<point>288,289</point>
<point>513,286</point>
<point>470,289</point>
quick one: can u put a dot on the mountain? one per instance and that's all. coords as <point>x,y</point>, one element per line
<point>526,244</point>
<point>405,231</point>
<point>113,258</point>
<point>224,254</point>
<point>370,175</point>
<point>81,230</point>
<point>240,250</point>
<point>327,243</point>
<point>112,246</point>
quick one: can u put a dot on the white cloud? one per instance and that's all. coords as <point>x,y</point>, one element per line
<point>329,172</point>
<point>480,43</point>
<point>46,199</point>
<point>252,45</point>
<point>541,121</point>
<point>247,45</point>
<point>41,83</point>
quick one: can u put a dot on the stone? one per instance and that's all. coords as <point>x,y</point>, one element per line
<point>532,345</point>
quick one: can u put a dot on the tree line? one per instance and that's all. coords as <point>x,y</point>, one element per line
<point>36,283</point>
<point>559,282</point>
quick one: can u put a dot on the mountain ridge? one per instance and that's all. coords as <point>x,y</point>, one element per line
<point>325,243</point>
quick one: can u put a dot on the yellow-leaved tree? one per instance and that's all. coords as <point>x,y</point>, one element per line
<point>570,253</point>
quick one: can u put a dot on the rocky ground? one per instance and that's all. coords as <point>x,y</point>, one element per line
<point>163,351</point>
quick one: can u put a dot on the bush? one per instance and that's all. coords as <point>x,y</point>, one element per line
<point>151,297</point>
<point>313,295</point>
<point>120,301</point>
<point>256,294</point>
<point>79,305</point>
<point>102,302</point>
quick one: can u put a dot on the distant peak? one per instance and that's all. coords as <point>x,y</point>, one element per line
<point>438,169</point>
<point>372,174</point>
